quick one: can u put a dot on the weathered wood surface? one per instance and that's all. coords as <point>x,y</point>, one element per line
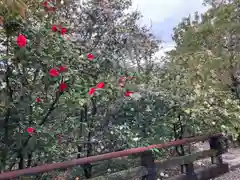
<point>232,175</point>
<point>181,160</point>
<point>131,173</point>
<point>141,171</point>
<point>205,174</point>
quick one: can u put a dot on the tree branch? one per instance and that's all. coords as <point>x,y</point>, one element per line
<point>51,108</point>
<point>8,112</point>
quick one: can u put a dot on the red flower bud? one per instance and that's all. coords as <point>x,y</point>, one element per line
<point>38,100</point>
<point>62,68</point>
<point>54,28</point>
<point>90,56</point>
<point>128,93</point>
<point>30,130</point>
<point>91,91</point>
<point>21,40</point>
<point>63,31</point>
<point>62,86</point>
<point>100,85</point>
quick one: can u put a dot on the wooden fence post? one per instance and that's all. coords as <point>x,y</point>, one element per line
<point>147,160</point>
<point>189,169</point>
<point>217,144</point>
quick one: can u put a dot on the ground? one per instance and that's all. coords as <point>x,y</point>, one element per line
<point>232,157</point>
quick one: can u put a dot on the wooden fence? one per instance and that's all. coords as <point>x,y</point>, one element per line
<point>149,167</point>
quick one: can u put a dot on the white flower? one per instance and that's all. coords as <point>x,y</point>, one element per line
<point>135,139</point>
<point>211,100</point>
<point>157,93</point>
<point>223,126</point>
<point>3,85</point>
<point>213,123</point>
<point>225,112</point>
<point>162,174</point>
<point>148,109</point>
<point>197,86</point>
<point>136,96</point>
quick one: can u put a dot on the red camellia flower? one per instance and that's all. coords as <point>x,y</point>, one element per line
<point>128,93</point>
<point>63,31</point>
<point>53,72</point>
<point>51,9</point>
<point>90,56</point>
<point>45,3</point>
<point>91,91</point>
<point>59,136</point>
<point>54,28</point>
<point>130,77</point>
<point>30,130</point>
<point>62,86</point>
<point>121,84</point>
<point>100,85</point>
<point>38,100</point>
<point>62,68</point>
<point>1,20</point>
<point>122,81</point>
<point>21,40</point>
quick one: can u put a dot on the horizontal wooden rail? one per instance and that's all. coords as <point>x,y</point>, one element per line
<point>107,156</point>
<point>138,172</point>
<point>211,172</point>
<point>132,173</point>
<point>142,171</point>
<point>181,160</point>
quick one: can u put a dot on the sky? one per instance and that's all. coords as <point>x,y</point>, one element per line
<point>163,15</point>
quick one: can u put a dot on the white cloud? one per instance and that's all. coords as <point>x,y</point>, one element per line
<point>156,10</point>
<point>161,53</point>
<point>160,10</point>
<point>166,12</point>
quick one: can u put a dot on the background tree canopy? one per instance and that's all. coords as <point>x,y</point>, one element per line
<point>194,90</point>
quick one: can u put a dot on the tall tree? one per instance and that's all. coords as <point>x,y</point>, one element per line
<point>202,72</point>
<point>70,48</point>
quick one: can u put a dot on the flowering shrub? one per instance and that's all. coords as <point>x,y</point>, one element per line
<point>55,80</point>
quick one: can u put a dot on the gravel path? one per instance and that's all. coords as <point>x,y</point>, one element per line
<point>232,157</point>
<point>233,175</point>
